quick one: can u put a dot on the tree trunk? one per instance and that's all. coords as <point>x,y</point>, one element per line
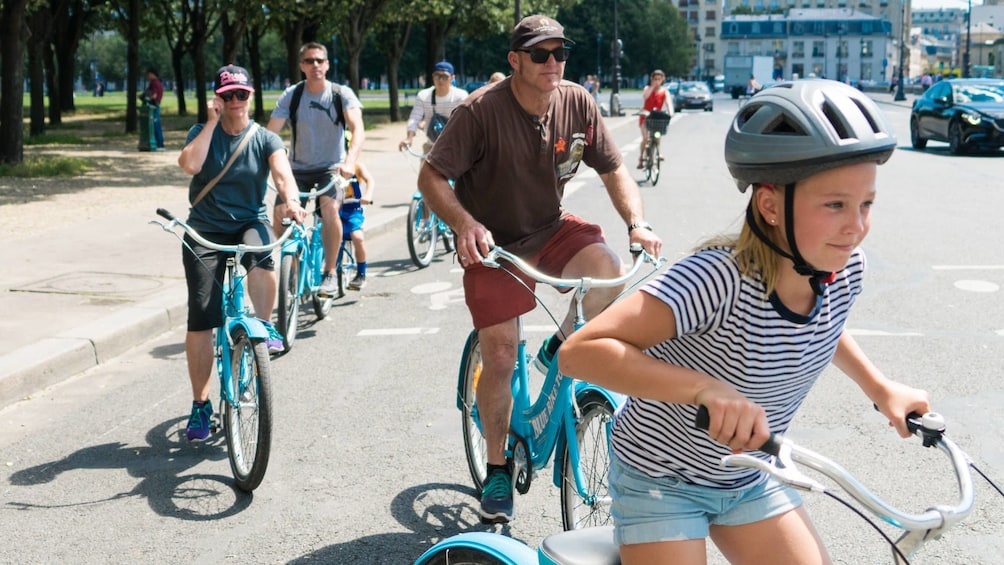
<point>52,83</point>
<point>13,36</point>
<point>36,77</point>
<point>233,32</point>
<point>132,64</point>
<point>177,58</point>
<point>253,37</point>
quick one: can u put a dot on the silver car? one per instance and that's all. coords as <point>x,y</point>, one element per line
<point>693,94</point>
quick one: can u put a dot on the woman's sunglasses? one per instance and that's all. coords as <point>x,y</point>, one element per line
<point>241,95</point>
<point>540,56</point>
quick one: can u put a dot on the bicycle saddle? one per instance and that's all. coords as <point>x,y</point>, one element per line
<point>589,546</point>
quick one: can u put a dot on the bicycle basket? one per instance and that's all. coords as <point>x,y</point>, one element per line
<point>657,121</point>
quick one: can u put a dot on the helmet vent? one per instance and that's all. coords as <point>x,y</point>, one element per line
<point>868,116</point>
<point>782,125</point>
<point>836,120</point>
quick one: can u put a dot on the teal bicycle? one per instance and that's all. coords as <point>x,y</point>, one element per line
<point>425,228</point>
<point>301,270</point>
<point>242,363</point>
<point>570,419</point>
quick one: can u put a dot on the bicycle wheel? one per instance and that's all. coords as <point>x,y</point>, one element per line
<point>248,421</point>
<point>656,163</point>
<point>593,431</point>
<point>648,161</point>
<point>346,268</point>
<point>475,448</point>
<point>289,300</point>
<point>421,233</point>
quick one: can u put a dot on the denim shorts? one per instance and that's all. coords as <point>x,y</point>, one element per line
<point>653,509</point>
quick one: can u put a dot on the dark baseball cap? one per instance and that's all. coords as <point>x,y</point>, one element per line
<point>534,29</point>
<point>232,77</point>
<point>443,66</point>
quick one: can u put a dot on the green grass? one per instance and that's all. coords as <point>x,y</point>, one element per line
<point>54,138</point>
<point>34,167</point>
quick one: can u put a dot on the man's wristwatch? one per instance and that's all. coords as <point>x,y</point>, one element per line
<point>636,225</point>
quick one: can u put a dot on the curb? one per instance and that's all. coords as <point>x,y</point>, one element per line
<point>31,369</point>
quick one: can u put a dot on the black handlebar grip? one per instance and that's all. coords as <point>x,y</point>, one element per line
<point>165,214</point>
<point>703,419</point>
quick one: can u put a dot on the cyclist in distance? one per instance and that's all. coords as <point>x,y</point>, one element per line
<point>654,97</point>
<point>228,209</point>
<point>511,147</point>
<point>324,111</point>
<point>434,105</point>
<point>744,326</point>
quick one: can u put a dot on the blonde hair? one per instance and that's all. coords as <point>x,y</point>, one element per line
<point>754,257</point>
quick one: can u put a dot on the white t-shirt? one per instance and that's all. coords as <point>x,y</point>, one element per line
<point>423,110</point>
<point>729,329</point>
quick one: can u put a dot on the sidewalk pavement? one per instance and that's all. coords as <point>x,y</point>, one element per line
<point>78,295</point>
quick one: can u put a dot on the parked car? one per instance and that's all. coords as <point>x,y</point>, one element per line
<point>693,94</point>
<point>966,113</point>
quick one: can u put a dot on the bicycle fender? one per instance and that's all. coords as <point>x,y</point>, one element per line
<point>503,548</point>
<point>417,195</point>
<point>254,327</point>
<point>583,390</point>
<point>460,372</point>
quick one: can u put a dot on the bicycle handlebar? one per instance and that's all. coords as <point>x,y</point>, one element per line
<point>337,181</point>
<point>919,527</point>
<point>231,248</point>
<point>640,256</point>
<point>412,152</point>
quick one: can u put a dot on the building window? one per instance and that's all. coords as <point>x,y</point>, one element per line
<point>778,28</point>
<point>797,49</point>
<point>866,48</point>
<point>817,69</point>
<point>755,48</point>
<point>710,15</point>
<point>755,28</point>
<point>709,31</point>
<point>797,70</point>
<point>709,47</point>
<point>866,71</point>
<point>866,28</point>
<point>733,48</point>
<point>842,48</point>
<point>818,49</point>
<point>818,28</point>
<point>733,28</point>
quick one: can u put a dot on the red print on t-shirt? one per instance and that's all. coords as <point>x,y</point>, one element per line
<point>589,134</point>
<point>559,146</point>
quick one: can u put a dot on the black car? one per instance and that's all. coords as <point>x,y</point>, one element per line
<point>693,94</point>
<point>968,113</point>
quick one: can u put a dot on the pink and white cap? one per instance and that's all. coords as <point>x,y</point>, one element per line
<point>232,77</point>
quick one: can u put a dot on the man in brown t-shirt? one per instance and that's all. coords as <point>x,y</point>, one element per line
<point>511,147</point>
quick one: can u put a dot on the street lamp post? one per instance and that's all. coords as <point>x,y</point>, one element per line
<point>969,33</point>
<point>903,34</point>
<point>615,88</point>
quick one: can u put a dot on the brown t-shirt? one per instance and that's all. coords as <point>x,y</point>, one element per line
<point>511,168</point>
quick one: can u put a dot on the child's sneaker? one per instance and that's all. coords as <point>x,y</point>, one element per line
<point>199,422</point>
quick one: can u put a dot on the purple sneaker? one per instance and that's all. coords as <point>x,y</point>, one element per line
<point>199,422</point>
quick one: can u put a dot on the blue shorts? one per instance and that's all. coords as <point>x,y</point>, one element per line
<point>653,509</point>
<point>352,219</point>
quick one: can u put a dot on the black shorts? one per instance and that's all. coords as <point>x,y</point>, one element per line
<point>205,268</point>
<point>306,180</point>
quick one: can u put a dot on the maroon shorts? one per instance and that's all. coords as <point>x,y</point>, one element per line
<point>493,296</point>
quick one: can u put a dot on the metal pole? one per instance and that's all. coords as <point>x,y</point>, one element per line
<point>615,97</point>
<point>969,33</point>
<point>903,33</point>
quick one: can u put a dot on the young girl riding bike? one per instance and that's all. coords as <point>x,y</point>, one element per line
<point>744,326</point>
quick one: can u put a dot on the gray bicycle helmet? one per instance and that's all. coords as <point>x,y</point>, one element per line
<point>793,130</point>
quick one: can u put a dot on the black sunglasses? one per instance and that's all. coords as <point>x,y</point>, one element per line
<point>311,61</point>
<point>241,95</point>
<point>540,56</point>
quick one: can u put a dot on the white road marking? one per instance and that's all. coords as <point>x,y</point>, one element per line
<point>968,267</point>
<point>397,331</point>
<point>432,287</point>
<point>977,286</point>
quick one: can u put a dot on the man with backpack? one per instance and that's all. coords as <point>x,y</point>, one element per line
<point>434,105</point>
<point>320,112</point>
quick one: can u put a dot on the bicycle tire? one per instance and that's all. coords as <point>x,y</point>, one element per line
<point>462,556</point>
<point>248,425</point>
<point>449,240</point>
<point>346,268</point>
<point>656,164</point>
<point>475,447</point>
<point>289,299</point>
<point>648,162</point>
<point>322,304</point>
<point>422,233</point>
<point>593,432</point>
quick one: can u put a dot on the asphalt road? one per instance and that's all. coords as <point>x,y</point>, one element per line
<point>368,464</point>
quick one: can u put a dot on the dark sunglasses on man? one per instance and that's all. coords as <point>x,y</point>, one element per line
<point>540,56</point>
<point>241,95</point>
<point>312,61</point>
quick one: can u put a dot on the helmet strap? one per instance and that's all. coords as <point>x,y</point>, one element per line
<point>817,279</point>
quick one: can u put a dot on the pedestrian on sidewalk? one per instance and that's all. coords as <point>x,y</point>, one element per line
<point>320,113</point>
<point>153,95</point>
<point>227,194</point>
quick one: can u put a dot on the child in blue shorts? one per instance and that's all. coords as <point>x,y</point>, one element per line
<point>352,217</point>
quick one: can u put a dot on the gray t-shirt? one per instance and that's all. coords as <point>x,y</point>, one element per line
<point>239,197</point>
<point>320,140</point>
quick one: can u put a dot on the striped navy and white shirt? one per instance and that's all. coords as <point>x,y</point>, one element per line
<point>728,328</point>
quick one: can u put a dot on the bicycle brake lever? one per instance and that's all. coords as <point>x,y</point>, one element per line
<point>784,471</point>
